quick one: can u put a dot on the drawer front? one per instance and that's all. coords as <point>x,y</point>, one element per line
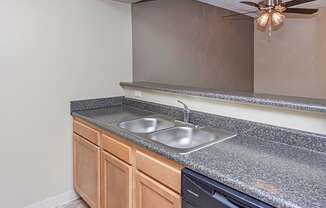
<point>87,132</point>
<point>117,148</point>
<point>164,171</point>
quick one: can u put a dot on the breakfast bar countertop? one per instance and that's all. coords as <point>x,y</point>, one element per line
<point>281,101</point>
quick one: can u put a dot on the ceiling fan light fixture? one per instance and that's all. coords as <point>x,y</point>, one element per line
<point>277,18</point>
<point>263,19</point>
<point>272,12</point>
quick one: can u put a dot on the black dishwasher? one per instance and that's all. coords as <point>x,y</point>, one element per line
<point>199,191</point>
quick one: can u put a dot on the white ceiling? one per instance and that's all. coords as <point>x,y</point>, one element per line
<point>236,6</point>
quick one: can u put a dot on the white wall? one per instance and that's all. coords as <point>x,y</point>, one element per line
<point>300,120</point>
<point>52,52</point>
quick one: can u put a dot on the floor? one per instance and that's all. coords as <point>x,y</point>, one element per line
<point>75,204</point>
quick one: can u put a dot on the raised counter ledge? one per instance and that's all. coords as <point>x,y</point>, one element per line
<point>295,103</point>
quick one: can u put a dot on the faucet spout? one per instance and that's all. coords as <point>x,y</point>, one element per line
<point>186,111</point>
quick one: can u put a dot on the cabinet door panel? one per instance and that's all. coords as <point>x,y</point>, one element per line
<point>150,193</point>
<point>87,171</point>
<point>116,182</point>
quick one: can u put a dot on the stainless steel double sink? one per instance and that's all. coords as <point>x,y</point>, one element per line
<point>180,137</point>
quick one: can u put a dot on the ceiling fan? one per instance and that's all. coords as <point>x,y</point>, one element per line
<point>272,11</point>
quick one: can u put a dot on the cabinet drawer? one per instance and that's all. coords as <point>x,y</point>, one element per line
<point>165,171</point>
<point>117,148</point>
<point>87,132</point>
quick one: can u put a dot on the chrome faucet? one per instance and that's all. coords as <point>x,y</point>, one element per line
<point>186,111</point>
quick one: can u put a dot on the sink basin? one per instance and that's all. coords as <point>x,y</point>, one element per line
<point>146,125</point>
<point>188,139</point>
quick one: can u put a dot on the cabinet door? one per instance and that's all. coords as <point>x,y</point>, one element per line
<point>116,182</point>
<point>87,171</point>
<point>150,193</point>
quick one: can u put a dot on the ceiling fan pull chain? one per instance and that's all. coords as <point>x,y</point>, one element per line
<point>269,32</point>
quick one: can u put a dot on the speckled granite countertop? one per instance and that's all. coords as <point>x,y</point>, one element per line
<point>296,103</point>
<point>282,175</point>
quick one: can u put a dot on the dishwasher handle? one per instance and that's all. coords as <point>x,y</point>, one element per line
<point>224,201</point>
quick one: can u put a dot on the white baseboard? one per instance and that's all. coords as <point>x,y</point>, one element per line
<point>55,201</point>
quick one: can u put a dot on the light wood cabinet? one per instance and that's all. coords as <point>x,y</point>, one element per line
<point>87,171</point>
<point>116,182</point>
<point>110,172</point>
<point>150,193</point>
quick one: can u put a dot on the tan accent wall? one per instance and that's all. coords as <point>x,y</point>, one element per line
<point>294,62</point>
<point>187,42</point>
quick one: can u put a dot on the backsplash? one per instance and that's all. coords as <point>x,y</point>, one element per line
<point>90,104</point>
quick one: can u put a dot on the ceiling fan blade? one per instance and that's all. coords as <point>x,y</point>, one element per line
<point>301,11</point>
<point>142,1</point>
<point>296,2</point>
<point>250,3</point>
<point>239,14</point>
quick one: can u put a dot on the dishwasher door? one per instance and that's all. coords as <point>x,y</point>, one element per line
<point>199,191</point>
